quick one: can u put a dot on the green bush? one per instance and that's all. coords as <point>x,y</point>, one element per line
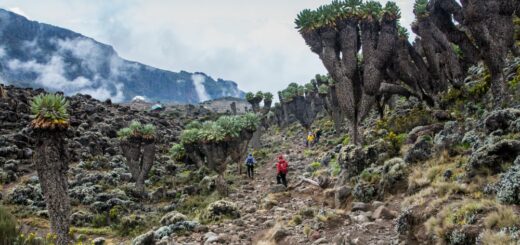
<point>177,152</point>
<point>315,166</point>
<point>335,167</point>
<point>224,128</point>
<point>268,96</point>
<point>49,111</point>
<point>136,129</point>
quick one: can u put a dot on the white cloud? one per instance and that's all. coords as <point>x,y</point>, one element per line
<point>198,82</point>
<point>51,75</point>
<point>2,51</point>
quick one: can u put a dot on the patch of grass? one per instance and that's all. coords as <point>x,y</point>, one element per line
<point>192,206</point>
<point>504,217</point>
<point>456,215</point>
<point>315,166</point>
<point>489,237</point>
<point>307,213</point>
<point>296,220</point>
<point>104,231</point>
<point>335,167</point>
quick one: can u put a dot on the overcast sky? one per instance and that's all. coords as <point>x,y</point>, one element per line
<point>251,42</point>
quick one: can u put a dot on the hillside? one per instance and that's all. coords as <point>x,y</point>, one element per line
<point>39,55</point>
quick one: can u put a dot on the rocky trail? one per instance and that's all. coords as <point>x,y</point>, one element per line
<point>301,214</point>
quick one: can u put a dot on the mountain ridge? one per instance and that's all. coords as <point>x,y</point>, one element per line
<point>40,55</point>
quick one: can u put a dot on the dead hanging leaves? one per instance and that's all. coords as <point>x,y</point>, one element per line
<point>47,124</point>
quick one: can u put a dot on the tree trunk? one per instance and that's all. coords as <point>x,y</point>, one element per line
<point>146,164</point>
<point>51,162</point>
<point>131,149</point>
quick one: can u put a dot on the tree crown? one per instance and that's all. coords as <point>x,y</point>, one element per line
<point>50,112</point>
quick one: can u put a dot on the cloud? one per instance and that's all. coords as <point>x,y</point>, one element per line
<point>52,74</point>
<point>198,82</point>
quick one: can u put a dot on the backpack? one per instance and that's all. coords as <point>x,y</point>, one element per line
<point>250,161</point>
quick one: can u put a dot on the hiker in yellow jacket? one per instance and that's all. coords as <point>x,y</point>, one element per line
<point>310,139</point>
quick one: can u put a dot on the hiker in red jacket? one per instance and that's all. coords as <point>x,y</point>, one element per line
<point>281,168</point>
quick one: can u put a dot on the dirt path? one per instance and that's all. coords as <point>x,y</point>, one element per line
<point>272,217</point>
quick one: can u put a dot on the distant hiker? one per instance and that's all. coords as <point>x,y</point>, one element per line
<point>310,139</point>
<point>250,163</point>
<point>318,135</point>
<point>281,169</point>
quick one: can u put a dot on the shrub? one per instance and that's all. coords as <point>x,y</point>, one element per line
<point>177,152</point>
<point>335,167</point>
<point>50,111</point>
<point>136,129</point>
<point>504,217</point>
<point>508,188</point>
<point>296,219</point>
<point>364,192</point>
<point>315,166</point>
<point>194,125</point>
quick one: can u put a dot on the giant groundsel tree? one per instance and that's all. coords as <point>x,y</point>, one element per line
<point>138,147</point>
<point>50,123</point>
<point>355,41</point>
<point>215,144</point>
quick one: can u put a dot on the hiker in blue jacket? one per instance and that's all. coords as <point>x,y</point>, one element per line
<point>250,163</point>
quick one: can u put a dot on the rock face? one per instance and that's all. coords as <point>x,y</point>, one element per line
<point>32,48</point>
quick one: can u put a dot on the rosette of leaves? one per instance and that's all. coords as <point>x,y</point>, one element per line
<point>268,97</point>
<point>259,96</point>
<point>250,97</point>
<point>301,90</point>
<point>290,92</point>
<point>49,111</point>
<point>190,136</point>
<point>391,11</point>
<point>223,129</point>
<point>371,10</point>
<point>194,125</point>
<point>403,32</point>
<point>177,152</point>
<point>323,89</point>
<point>420,8</point>
<point>310,88</point>
<point>138,131</point>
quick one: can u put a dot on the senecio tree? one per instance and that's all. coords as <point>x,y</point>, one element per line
<point>49,125</point>
<point>327,91</point>
<point>138,146</point>
<point>268,101</point>
<point>254,100</point>
<point>214,144</point>
<point>300,101</point>
<point>337,32</point>
<point>484,29</point>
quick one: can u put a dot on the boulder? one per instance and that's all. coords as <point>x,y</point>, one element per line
<point>99,241</point>
<point>360,206</point>
<point>383,213</point>
<point>277,188</point>
<point>145,239</point>
<point>341,195</point>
